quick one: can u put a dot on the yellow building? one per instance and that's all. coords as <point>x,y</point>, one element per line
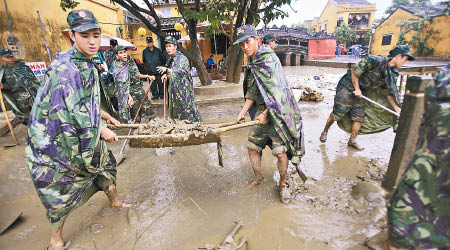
<point>387,33</point>
<point>26,28</point>
<point>169,16</point>
<point>357,14</point>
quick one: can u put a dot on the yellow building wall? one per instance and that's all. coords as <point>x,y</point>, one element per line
<point>26,27</point>
<point>332,12</point>
<point>440,40</point>
<point>391,26</point>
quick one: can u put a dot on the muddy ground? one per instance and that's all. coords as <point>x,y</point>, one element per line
<point>185,200</point>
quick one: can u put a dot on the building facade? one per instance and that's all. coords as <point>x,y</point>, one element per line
<point>357,14</point>
<point>387,33</point>
<point>27,33</point>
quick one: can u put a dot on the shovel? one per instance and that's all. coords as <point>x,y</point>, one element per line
<point>11,129</point>
<point>120,158</point>
<point>379,105</point>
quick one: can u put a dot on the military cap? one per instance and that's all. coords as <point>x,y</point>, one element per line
<point>149,39</point>
<point>119,48</point>
<point>171,40</point>
<point>113,42</point>
<point>403,50</point>
<point>82,20</point>
<point>6,53</point>
<point>268,38</point>
<point>245,32</point>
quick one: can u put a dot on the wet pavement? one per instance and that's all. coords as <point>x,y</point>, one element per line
<point>185,200</point>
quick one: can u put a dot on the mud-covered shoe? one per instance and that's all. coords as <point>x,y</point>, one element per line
<point>285,195</point>
<point>323,136</point>
<point>353,144</point>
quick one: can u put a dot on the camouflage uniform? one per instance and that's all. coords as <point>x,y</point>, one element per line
<point>269,89</point>
<point>181,100</point>
<point>419,209</point>
<point>121,75</point>
<point>138,93</point>
<point>65,155</point>
<point>373,72</point>
<point>110,56</point>
<point>261,136</point>
<point>19,88</point>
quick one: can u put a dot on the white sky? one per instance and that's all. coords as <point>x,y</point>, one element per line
<point>307,9</point>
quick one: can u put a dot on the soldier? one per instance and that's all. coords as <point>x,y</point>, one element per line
<point>419,209</point>
<point>153,58</point>
<point>121,76</point>
<point>177,72</point>
<point>66,151</point>
<point>19,85</point>
<point>137,92</point>
<point>270,40</point>
<point>369,75</point>
<point>110,54</point>
<point>276,110</point>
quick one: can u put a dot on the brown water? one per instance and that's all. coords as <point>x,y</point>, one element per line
<point>185,200</point>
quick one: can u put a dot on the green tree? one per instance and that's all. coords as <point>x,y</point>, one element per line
<point>68,4</point>
<point>367,37</point>
<point>345,35</point>
<point>309,29</point>
<point>422,29</point>
<point>397,3</point>
<point>225,16</point>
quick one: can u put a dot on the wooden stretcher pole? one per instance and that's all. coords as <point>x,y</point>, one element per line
<point>11,129</point>
<point>242,125</point>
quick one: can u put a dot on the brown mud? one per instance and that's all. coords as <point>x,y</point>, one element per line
<point>185,200</point>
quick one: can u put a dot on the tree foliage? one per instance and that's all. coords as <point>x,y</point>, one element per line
<point>367,37</point>
<point>397,3</point>
<point>68,4</point>
<point>422,31</point>
<point>345,34</point>
<point>309,29</point>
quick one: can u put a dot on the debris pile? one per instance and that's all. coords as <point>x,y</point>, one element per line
<point>159,126</point>
<point>313,88</point>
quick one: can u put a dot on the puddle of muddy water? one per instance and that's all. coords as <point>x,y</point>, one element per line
<point>185,200</point>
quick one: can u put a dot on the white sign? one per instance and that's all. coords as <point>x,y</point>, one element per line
<point>38,68</point>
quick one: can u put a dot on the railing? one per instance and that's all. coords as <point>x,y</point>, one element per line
<point>406,72</point>
<point>359,26</point>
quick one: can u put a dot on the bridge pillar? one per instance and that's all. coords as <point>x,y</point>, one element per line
<point>286,61</point>
<point>297,59</point>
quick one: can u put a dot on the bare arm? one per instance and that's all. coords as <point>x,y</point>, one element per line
<point>248,104</point>
<point>109,119</point>
<point>393,104</point>
<point>355,81</point>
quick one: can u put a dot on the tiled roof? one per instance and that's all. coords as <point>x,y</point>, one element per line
<point>434,10</point>
<point>283,31</point>
<point>353,2</point>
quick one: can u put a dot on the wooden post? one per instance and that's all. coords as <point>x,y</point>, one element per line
<point>408,130</point>
<point>400,87</point>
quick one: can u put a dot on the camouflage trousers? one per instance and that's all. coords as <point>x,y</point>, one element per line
<point>419,209</point>
<point>261,136</point>
<point>122,105</point>
<point>138,93</point>
<point>344,102</point>
<point>61,192</point>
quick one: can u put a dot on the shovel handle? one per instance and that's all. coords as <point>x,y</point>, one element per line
<point>237,126</point>
<point>11,129</point>
<point>112,126</point>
